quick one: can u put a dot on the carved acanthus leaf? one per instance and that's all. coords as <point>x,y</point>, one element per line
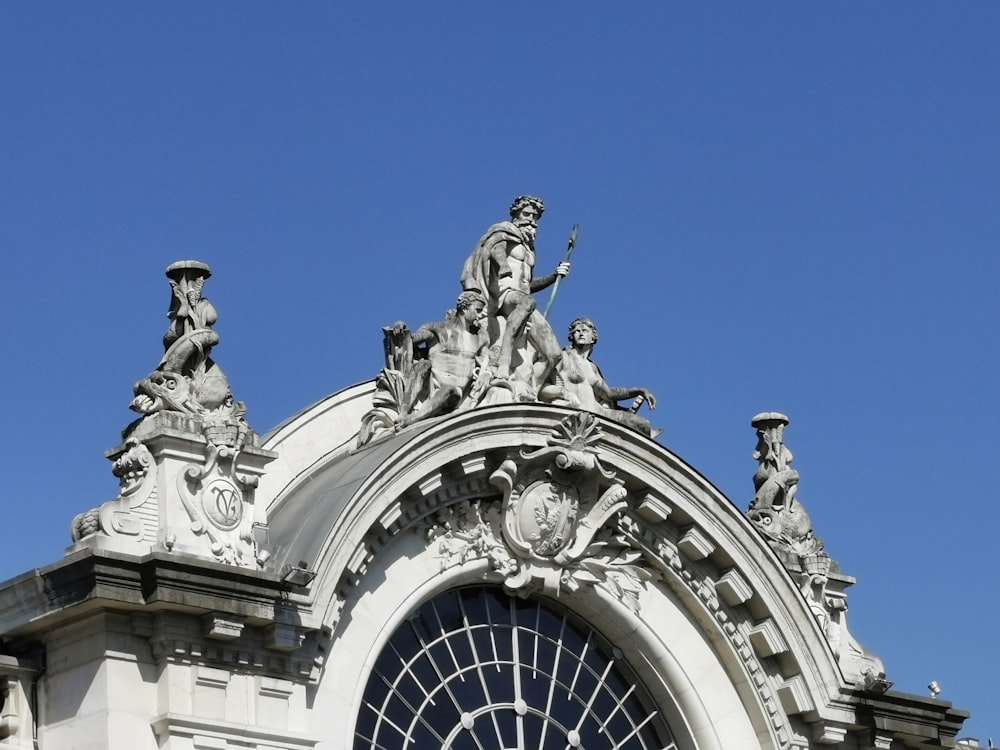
<point>614,565</point>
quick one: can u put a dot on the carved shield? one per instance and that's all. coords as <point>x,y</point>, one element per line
<point>544,518</point>
<point>222,502</point>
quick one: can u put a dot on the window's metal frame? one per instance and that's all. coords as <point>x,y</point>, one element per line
<point>398,701</point>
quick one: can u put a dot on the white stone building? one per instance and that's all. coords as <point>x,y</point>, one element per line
<point>518,575</point>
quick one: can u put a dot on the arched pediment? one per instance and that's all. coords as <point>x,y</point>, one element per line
<point>669,536</point>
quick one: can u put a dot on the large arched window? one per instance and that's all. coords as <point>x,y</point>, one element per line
<point>476,669</point>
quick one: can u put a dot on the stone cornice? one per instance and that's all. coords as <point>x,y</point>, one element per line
<point>206,733</point>
<point>915,719</point>
<point>88,580</point>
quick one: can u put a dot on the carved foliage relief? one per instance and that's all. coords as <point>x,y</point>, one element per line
<point>217,497</point>
<point>556,527</point>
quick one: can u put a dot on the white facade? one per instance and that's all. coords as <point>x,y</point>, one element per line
<point>143,641</point>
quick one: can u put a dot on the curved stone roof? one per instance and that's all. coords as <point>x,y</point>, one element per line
<point>302,520</point>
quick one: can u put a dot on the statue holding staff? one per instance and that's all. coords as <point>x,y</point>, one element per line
<point>501,268</point>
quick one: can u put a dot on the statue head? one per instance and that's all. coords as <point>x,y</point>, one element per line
<point>470,306</point>
<point>525,205</point>
<point>469,299</point>
<point>583,325</point>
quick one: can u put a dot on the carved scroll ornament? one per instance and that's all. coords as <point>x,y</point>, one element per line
<point>555,528</point>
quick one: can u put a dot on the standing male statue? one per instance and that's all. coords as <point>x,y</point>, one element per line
<point>578,382</point>
<point>501,268</point>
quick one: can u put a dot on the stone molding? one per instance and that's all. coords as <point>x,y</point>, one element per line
<point>89,580</point>
<point>228,642</point>
<point>181,731</point>
<point>219,653</point>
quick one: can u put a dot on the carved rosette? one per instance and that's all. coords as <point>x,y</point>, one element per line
<point>556,528</point>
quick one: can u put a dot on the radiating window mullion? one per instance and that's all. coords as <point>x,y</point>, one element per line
<point>516,659</point>
<point>598,687</point>
<point>479,662</point>
<point>493,641</point>
<point>633,733</point>
<point>537,630</point>
<point>462,631</point>
<point>395,693</point>
<point>447,640</point>
<point>414,710</point>
<point>579,664</point>
<point>553,681</point>
<point>436,668</point>
<point>619,706</point>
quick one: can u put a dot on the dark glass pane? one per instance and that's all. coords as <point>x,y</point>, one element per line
<point>500,683</point>
<point>366,721</point>
<point>508,727</point>
<point>470,693</point>
<point>461,663</point>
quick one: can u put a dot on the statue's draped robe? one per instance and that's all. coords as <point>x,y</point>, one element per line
<point>479,273</point>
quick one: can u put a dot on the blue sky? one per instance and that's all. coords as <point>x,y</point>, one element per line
<point>783,206</point>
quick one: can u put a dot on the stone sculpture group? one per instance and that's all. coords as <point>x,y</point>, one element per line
<point>189,466</point>
<point>496,346</point>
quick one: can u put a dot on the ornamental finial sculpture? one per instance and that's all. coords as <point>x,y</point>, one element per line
<point>187,379</point>
<point>775,510</point>
<point>189,467</point>
<point>778,514</point>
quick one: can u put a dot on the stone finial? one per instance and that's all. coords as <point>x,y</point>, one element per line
<point>187,380</point>
<point>780,517</point>
<point>189,466</point>
<point>775,510</point>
